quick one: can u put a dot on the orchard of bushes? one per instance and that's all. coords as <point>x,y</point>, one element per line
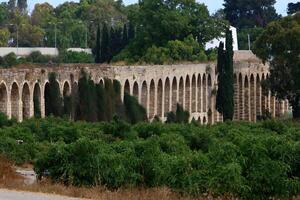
<point>250,161</point>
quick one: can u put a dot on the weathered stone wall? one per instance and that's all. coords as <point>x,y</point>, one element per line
<point>157,88</point>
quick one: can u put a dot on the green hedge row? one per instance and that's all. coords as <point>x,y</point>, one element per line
<point>250,161</point>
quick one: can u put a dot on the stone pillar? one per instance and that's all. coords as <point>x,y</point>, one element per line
<point>43,104</point>
<point>163,101</point>
<point>148,101</point>
<point>255,103</point>
<point>8,104</point>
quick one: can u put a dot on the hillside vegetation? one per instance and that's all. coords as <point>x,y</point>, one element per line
<point>250,161</point>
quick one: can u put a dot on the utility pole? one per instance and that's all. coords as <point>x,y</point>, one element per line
<point>249,42</point>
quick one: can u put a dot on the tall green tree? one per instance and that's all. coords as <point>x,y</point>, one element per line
<point>104,44</point>
<point>279,45</point>
<point>97,50</point>
<point>293,8</point>
<point>87,104</point>
<point>250,13</point>
<point>125,35</point>
<point>225,94</point>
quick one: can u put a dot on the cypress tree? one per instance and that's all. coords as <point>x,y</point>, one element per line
<point>125,36</point>
<point>97,51</point>
<point>87,108</point>
<point>225,96</point>
<point>104,44</point>
<point>131,31</point>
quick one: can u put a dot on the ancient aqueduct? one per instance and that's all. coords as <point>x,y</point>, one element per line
<point>158,88</point>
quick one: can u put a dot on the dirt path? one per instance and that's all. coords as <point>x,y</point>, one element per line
<point>16,195</point>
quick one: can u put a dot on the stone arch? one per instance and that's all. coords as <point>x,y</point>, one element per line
<point>167,95</point>
<point>199,83</point>
<point>204,93</point>
<point>152,99</point>
<point>246,97</point>
<point>159,98</point>
<point>127,87</point>
<point>181,90</point>
<point>194,93</point>
<point>252,99</point>
<point>3,98</point>
<point>187,93</point>
<point>66,89</point>
<point>236,97</point>
<point>136,90</point>
<point>241,95</point>
<point>258,95</point>
<point>26,101</point>
<point>37,100</point>
<point>199,120</point>
<point>144,95</point>
<point>174,94</point>
<point>101,82</point>
<point>15,101</point>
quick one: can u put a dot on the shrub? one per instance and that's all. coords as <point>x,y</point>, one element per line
<point>10,60</point>
<point>76,57</point>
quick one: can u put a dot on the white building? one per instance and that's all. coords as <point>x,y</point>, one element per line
<point>215,42</point>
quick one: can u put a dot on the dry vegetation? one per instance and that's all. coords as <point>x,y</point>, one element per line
<point>9,179</point>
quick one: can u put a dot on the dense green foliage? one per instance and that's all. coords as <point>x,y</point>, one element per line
<point>225,93</point>
<point>251,161</point>
<point>293,8</point>
<point>279,45</point>
<point>250,13</point>
<point>167,31</point>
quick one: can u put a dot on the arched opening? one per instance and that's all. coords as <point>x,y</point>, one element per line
<point>15,101</point>
<point>199,93</point>
<point>246,97</point>
<point>174,94</point>
<point>252,99</point>
<point>181,92</point>
<point>152,100</point>
<point>136,90</point>
<point>26,101</point>
<point>187,93</point>
<point>144,95</point>
<point>209,93</point>
<point>258,96</point>
<point>47,99</point>
<point>236,97</point>
<point>67,101</point>
<point>159,98</point>
<point>74,100</point>
<point>127,87</point>
<point>101,82</point>
<point>241,94</point>
<point>194,91</point>
<point>199,120</point>
<point>37,100</point>
<point>167,96</point>
<point>204,120</point>
<point>3,98</point>
<point>204,93</point>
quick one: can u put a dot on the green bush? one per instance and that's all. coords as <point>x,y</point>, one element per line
<point>248,161</point>
<point>76,57</point>
<point>10,60</point>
